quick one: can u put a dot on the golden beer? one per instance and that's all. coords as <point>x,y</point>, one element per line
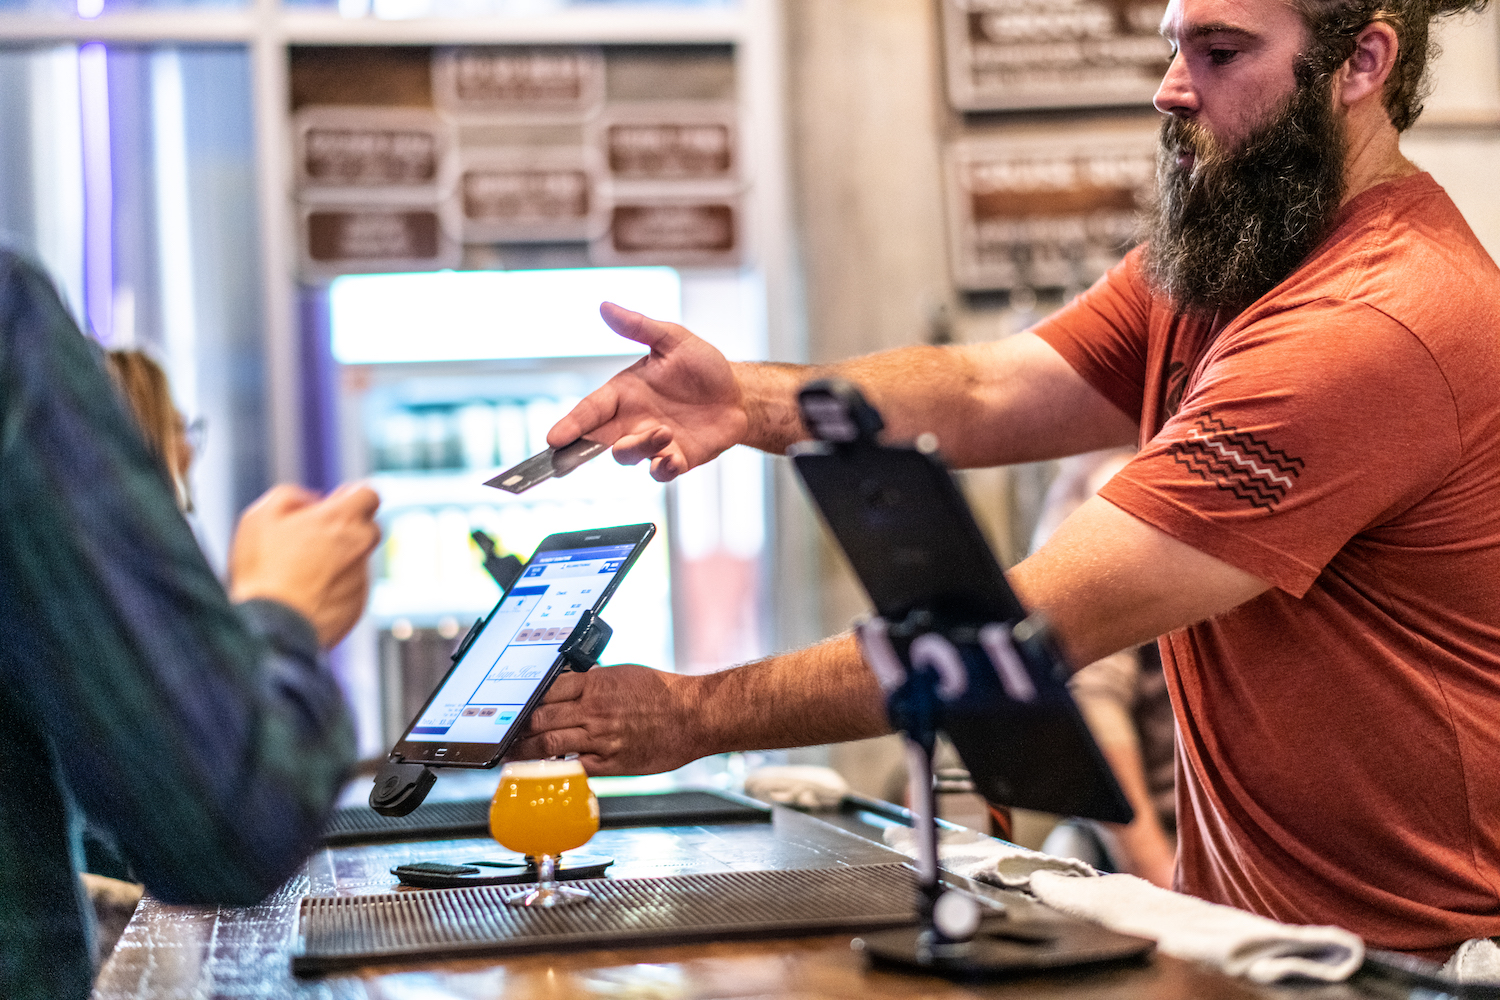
<point>543,807</point>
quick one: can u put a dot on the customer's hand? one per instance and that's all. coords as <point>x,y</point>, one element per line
<point>309,553</point>
<point>679,406</point>
<point>625,719</point>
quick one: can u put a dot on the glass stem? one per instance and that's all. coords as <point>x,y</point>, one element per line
<point>546,871</point>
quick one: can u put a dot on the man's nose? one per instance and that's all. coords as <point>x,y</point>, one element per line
<point>1176,95</point>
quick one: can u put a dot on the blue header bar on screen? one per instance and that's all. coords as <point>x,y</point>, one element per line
<point>583,555</point>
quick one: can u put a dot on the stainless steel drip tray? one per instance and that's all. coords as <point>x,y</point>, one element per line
<point>339,932</point>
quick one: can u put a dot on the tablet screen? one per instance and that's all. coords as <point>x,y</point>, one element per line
<point>516,650</point>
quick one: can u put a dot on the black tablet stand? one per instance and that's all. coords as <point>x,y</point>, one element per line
<point>401,785</point>
<point>946,664</point>
<point>922,667</point>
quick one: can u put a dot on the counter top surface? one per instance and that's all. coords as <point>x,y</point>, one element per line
<point>206,953</point>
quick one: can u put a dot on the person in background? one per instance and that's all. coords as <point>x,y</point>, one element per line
<point>201,728</point>
<point>1124,699</point>
<point>146,390</point>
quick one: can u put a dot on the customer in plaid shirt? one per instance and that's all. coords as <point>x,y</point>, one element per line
<point>201,728</point>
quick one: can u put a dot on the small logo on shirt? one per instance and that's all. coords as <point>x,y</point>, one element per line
<point>1239,463</point>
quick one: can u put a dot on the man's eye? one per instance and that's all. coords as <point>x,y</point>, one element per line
<point>1222,57</point>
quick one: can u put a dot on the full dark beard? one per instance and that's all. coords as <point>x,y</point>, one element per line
<point>1234,225</point>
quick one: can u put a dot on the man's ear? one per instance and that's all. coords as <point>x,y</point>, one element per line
<point>1368,66</point>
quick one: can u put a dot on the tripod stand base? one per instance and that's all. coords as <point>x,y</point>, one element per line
<point>1000,950</point>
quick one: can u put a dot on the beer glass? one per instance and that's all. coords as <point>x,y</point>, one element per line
<point>542,808</point>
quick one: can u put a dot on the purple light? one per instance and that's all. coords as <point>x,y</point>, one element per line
<point>98,190</point>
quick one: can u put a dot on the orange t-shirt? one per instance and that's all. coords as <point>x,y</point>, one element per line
<point>1339,750</point>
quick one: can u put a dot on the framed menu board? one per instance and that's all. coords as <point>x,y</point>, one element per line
<point>1006,55</point>
<point>668,142</point>
<point>703,230</point>
<point>352,238</point>
<point>403,152</point>
<point>1045,211</point>
<point>492,82</point>
<point>530,194</point>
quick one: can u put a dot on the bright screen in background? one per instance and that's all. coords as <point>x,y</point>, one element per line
<point>475,315</point>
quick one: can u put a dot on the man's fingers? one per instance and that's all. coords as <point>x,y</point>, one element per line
<point>632,448</point>
<point>592,412</point>
<point>556,717</point>
<point>665,468</point>
<point>567,686</point>
<point>552,743</point>
<point>598,766</point>
<point>642,329</point>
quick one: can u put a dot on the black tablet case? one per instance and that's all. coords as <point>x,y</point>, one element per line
<point>913,542</point>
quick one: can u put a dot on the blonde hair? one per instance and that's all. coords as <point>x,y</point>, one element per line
<point>143,385</point>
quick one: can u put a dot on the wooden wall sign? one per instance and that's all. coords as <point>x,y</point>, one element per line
<point>518,81</point>
<point>702,231</point>
<point>340,238</point>
<point>1045,212</point>
<point>1005,55</point>
<point>530,194</point>
<point>403,152</point>
<point>668,142</point>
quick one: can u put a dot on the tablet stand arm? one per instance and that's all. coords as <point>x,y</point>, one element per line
<point>920,668</point>
<point>401,785</point>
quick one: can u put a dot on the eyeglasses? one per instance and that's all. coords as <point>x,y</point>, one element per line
<point>195,433</point>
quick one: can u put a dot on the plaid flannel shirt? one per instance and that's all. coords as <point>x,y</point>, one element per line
<point>208,739</point>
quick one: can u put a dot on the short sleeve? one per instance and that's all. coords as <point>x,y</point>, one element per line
<point>1102,334</point>
<point>1298,431</point>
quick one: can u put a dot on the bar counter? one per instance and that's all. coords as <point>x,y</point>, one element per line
<point>205,953</point>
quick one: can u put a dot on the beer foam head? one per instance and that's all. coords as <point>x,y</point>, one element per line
<point>543,768</point>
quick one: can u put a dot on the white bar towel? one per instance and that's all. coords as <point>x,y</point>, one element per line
<point>1231,940</point>
<point>1235,942</point>
<point>803,786</point>
<point>985,859</point>
<point>1476,961</point>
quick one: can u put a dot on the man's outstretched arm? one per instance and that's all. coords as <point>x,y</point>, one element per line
<point>1105,579</point>
<point>630,719</point>
<point>1011,400</point>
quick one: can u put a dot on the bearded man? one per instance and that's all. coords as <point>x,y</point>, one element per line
<point>1305,352</point>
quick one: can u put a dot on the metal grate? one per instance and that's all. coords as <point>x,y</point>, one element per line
<point>343,931</point>
<point>471,817</point>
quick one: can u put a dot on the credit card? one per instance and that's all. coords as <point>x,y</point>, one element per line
<point>546,465</point>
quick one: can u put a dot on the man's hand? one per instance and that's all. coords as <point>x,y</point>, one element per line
<point>630,719</point>
<point>625,719</point>
<point>679,406</point>
<point>308,553</point>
